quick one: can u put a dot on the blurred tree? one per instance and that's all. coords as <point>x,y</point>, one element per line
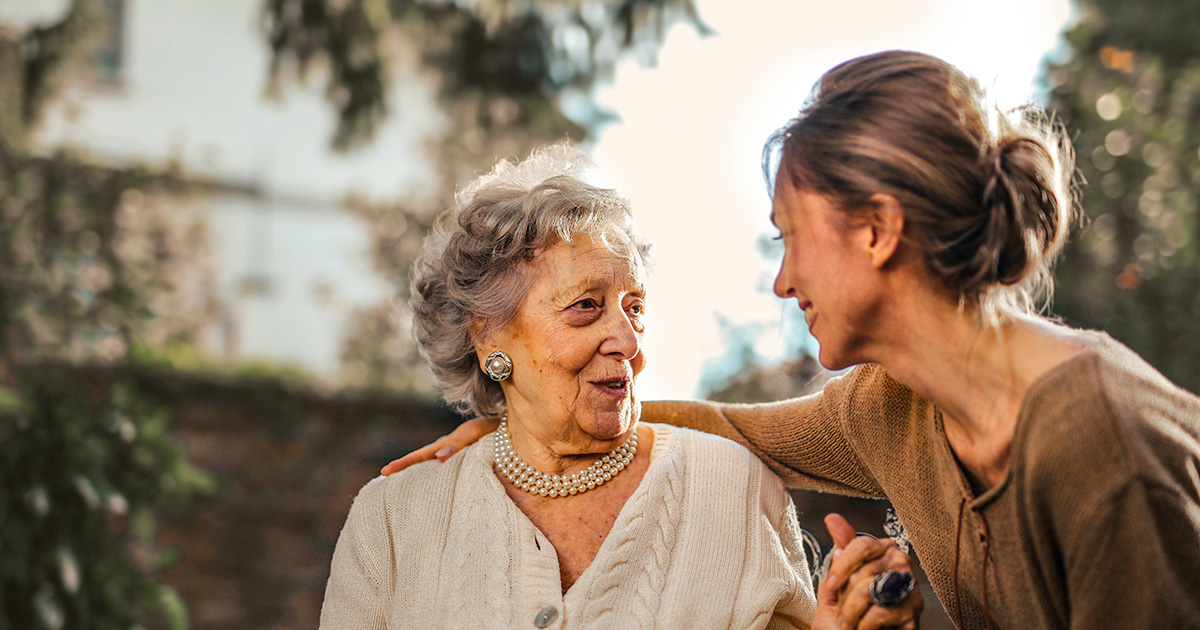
<point>509,60</point>
<point>90,267</point>
<point>1130,95</point>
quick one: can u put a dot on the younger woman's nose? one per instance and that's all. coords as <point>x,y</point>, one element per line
<point>783,287</point>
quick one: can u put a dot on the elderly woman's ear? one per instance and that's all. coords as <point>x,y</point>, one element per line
<point>482,338</point>
<point>494,362</point>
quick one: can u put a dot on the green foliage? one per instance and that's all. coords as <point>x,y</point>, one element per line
<point>84,463</point>
<point>1130,92</point>
<point>518,54</point>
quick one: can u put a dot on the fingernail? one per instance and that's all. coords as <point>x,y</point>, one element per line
<point>446,451</point>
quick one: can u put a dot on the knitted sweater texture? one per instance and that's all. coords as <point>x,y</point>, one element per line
<point>709,539</point>
<point>1096,524</point>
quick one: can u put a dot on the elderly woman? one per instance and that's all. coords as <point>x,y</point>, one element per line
<point>1047,476</point>
<point>528,305</point>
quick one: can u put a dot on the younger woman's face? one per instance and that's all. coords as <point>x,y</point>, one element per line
<point>826,271</point>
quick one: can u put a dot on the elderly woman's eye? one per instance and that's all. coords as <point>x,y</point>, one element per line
<point>586,303</point>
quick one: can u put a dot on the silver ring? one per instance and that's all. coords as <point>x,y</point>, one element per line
<point>890,588</point>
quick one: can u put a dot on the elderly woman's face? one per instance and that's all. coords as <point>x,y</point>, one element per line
<point>576,343</point>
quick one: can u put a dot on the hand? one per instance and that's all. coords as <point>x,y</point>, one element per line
<point>844,596</point>
<point>444,447</point>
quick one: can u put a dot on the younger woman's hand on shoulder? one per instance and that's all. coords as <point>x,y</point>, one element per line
<point>446,446</point>
<point>844,597</point>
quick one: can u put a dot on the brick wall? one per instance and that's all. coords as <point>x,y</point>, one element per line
<point>287,461</point>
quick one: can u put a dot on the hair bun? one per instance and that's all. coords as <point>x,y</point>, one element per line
<point>1023,216</point>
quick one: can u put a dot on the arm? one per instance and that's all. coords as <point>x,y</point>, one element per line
<point>803,440</point>
<point>446,446</point>
<point>796,610</point>
<point>354,593</point>
<point>1135,563</point>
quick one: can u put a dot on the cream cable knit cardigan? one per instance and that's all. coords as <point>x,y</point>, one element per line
<point>708,540</point>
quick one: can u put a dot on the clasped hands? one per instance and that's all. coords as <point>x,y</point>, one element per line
<point>844,599</point>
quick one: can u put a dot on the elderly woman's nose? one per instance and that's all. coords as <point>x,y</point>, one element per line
<point>621,336</point>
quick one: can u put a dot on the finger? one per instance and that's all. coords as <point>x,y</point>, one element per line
<point>856,599</point>
<point>861,550</point>
<point>827,618</point>
<point>892,559</point>
<point>827,594</point>
<point>839,529</point>
<point>446,446</point>
<point>464,435</point>
<point>879,617</point>
<point>423,454</point>
<point>905,616</point>
<point>470,431</point>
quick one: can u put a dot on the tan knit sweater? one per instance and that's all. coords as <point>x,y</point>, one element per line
<point>709,539</point>
<point>1096,525</point>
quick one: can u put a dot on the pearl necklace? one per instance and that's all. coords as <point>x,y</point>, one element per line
<point>536,482</point>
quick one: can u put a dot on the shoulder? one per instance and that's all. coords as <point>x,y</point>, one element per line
<point>385,499</point>
<point>704,458</point>
<point>1106,414</point>
<point>870,396</point>
<point>1134,389</point>
<point>706,448</point>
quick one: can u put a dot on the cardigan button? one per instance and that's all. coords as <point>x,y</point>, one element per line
<point>545,617</point>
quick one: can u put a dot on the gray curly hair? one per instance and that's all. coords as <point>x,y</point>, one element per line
<point>474,265</point>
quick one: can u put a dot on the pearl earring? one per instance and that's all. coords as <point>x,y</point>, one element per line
<point>498,365</point>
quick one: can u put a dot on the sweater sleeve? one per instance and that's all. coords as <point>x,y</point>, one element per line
<point>354,596</point>
<point>803,440</point>
<point>798,610</point>
<point>1135,565</point>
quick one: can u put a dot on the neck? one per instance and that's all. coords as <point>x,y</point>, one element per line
<point>976,374</point>
<point>564,451</point>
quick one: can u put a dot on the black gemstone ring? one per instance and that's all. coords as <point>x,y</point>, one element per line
<point>890,588</point>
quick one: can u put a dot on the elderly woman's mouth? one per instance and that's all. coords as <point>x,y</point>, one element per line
<point>617,387</point>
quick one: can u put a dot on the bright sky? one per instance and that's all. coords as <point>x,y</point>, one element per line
<point>687,150</point>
